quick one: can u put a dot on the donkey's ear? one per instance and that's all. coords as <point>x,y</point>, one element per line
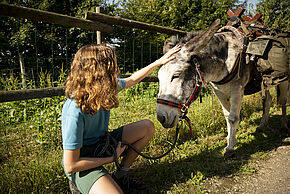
<point>200,41</point>
<point>166,47</point>
<point>170,44</point>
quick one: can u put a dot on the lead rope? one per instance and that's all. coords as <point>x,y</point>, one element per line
<point>160,156</point>
<point>111,148</point>
<point>108,148</point>
<point>212,105</point>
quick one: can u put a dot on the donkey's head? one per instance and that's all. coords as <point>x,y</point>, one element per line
<point>177,78</point>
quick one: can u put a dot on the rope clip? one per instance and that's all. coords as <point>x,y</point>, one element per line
<point>184,109</point>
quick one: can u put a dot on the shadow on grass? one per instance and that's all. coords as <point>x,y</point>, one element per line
<point>211,163</point>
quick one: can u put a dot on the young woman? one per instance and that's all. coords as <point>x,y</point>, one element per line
<point>91,90</point>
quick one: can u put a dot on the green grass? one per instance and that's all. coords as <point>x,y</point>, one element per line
<point>31,153</point>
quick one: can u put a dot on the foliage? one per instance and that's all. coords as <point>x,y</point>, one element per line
<point>276,13</point>
<point>48,46</point>
<point>44,113</point>
<point>187,15</point>
<point>45,45</point>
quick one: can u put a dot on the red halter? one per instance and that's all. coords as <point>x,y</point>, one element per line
<point>184,107</point>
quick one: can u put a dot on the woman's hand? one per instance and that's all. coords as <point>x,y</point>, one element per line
<point>168,56</point>
<point>120,149</point>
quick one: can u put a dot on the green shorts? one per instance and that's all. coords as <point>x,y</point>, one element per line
<point>84,180</point>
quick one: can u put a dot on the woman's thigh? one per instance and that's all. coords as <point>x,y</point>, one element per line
<point>105,184</point>
<point>138,130</point>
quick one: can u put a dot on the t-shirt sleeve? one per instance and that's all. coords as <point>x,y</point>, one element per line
<point>121,83</point>
<point>72,126</point>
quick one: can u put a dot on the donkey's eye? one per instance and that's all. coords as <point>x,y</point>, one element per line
<point>175,76</point>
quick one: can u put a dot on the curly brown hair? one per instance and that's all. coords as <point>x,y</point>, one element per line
<point>92,79</point>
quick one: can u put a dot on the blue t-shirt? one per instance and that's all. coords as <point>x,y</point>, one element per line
<point>80,129</point>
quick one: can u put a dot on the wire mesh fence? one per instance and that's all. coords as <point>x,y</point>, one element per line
<point>49,53</point>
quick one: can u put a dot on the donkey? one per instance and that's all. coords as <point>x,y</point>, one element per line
<point>216,55</point>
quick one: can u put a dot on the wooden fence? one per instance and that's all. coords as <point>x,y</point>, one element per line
<point>26,94</point>
<point>100,17</point>
<point>53,18</point>
<point>93,21</point>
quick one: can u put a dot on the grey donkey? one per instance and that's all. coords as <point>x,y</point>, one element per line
<point>216,53</point>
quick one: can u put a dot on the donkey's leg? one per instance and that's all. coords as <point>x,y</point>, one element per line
<point>234,117</point>
<point>284,89</point>
<point>226,106</point>
<point>267,101</point>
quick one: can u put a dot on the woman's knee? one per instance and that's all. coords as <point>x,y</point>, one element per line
<point>105,184</point>
<point>149,125</point>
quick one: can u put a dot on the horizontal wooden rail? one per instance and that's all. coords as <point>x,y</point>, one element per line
<point>16,95</point>
<point>50,17</point>
<point>112,20</point>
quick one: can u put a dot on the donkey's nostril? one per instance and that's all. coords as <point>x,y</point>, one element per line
<point>161,118</point>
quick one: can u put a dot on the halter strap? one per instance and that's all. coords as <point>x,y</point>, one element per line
<point>169,103</point>
<point>184,107</point>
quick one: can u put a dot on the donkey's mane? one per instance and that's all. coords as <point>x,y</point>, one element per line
<point>182,40</point>
<point>185,39</point>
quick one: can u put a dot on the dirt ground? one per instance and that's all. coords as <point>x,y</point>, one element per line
<point>272,175</point>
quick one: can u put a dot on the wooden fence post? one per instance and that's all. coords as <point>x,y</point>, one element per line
<point>22,69</point>
<point>99,36</point>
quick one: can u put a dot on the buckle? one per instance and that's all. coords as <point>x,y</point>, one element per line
<point>184,109</point>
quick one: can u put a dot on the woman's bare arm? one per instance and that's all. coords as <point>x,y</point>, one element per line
<point>74,163</point>
<point>142,73</point>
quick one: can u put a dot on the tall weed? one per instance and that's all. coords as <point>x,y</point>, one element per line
<point>42,114</point>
